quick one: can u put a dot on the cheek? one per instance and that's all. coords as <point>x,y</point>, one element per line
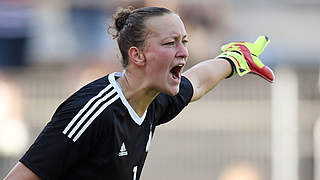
<point>161,59</point>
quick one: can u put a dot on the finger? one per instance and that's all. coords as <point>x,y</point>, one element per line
<point>260,69</point>
<point>260,44</point>
<point>226,46</point>
<point>257,61</point>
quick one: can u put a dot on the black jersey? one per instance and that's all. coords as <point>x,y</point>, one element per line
<point>95,133</point>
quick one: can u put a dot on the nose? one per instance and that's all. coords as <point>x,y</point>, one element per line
<point>182,51</point>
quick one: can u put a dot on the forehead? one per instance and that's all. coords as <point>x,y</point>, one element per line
<point>165,25</point>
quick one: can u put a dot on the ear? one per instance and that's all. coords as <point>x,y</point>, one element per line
<point>136,56</point>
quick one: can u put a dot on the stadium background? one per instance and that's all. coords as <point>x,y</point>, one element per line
<point>243,129</point>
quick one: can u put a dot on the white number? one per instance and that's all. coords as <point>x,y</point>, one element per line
<point>135,169</point>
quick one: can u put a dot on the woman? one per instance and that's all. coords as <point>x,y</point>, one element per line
<point>104,130</point>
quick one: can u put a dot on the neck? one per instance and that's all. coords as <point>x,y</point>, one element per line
<point>136,91</point>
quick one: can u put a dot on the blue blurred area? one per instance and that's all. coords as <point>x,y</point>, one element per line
<point>89,28</point>
<point>15,17</point>
<point>76,30</point>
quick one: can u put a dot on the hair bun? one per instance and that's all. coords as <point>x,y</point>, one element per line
<point>121,16</point>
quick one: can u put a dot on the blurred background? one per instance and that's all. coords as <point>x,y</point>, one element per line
<point>245,129</point>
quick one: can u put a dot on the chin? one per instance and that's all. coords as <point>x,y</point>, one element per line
<point>173,91</point>
<point>172,94</point>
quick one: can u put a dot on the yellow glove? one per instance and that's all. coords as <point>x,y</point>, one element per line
<point>243,57</point>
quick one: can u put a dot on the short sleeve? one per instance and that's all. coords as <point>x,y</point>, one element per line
<point>167,107</point>
<point>54,152</point>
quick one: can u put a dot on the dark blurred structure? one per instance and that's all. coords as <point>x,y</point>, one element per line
<point>15,17</point>
<point>88,21</point>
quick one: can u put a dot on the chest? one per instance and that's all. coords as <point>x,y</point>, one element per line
<point>130,139</point>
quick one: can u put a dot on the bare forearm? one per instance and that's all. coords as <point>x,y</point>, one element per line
<point>206,75</point>
<point>19,172</point>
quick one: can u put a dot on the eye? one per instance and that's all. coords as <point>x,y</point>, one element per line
<point>185,42</point>
<point>171,43</point>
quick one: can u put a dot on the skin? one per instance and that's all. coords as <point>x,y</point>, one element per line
<point>148,72</point>
<point>21,172</point>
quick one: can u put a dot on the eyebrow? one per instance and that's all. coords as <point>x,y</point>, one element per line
<point>175,36</point>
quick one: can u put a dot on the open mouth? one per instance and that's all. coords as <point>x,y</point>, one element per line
<point>176,72</point>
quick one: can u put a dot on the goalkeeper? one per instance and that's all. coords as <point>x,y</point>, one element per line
<point>104,130</point>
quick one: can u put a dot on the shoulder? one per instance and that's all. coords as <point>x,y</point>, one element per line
<point>98,90</point>
<point>86,93</point>
<point>185,84</point>
<point>166,107</point>
<point>86,107</point>
<point>185,92</point>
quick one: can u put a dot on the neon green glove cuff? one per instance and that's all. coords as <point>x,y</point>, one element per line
<point>239,65</point>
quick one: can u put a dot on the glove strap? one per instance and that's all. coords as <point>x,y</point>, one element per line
<point>233,71</point>
<point>237,61</point>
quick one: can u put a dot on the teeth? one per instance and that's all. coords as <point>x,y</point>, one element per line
<point>174,76</point>
<point>174,73</point>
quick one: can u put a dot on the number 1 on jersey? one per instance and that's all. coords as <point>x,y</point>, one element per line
<point>135,169</point>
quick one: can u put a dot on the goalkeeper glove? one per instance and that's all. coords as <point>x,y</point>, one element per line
<point>243,57</point>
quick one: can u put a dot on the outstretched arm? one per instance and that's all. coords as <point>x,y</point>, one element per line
<point>238,58</point>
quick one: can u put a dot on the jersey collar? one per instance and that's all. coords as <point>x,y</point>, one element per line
<point>115,84</point>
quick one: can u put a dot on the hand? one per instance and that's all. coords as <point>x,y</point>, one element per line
<point>243,57</point>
